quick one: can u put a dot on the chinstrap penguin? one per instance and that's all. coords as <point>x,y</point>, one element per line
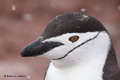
<point>79,48</point>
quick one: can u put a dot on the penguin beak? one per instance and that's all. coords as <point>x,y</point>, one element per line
<point>37,48</point>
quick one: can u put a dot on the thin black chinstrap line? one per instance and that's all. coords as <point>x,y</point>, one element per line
<point>77,47</point>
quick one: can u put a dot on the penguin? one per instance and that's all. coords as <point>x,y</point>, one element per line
<point>79,48</point>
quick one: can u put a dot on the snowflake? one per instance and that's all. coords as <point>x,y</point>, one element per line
<point>28,77</point>
<point>13,7</point>
<point>83,10</point>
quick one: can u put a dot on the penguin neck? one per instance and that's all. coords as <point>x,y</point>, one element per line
<point>86,65</point>
<point>111,69</point>
<point>92,70</point>
<point>97,69</point>
<point>96,62</point>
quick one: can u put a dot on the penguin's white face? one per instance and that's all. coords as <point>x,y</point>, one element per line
<point>71,47</point>
<point>79,45</point>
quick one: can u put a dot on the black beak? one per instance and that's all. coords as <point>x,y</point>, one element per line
<point>37,48</point>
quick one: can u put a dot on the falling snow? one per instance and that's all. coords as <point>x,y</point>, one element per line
<point>13,7</point>
<point>85,16</point>
<point>118,7</point>
<point>27,17</point>
<point>52,5</point>
<point>83,10</point>
<point>98,8</point>
<point>113,1</point>
<point>28,77</point>
<point>40,37</point>
<point>56,17</point>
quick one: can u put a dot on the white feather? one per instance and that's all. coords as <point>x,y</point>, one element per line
<point>84,63</point>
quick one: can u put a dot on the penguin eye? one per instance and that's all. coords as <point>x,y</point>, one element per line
<point>73,38</point>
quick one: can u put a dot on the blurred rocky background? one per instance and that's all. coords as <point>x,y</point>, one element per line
<point>22,21</point>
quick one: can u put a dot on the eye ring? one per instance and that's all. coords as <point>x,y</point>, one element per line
<point>73,38</point>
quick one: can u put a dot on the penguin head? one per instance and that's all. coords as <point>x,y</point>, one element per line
<point>70,36</point>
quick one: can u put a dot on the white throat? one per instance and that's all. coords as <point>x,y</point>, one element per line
<point>84,63</point>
